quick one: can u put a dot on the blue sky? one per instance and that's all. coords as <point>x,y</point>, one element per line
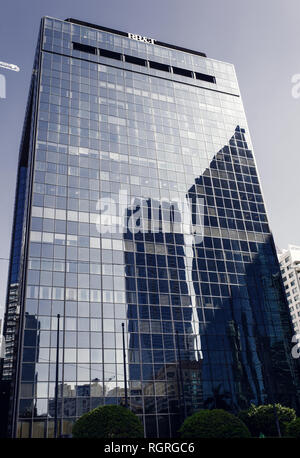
<point>261,38</point>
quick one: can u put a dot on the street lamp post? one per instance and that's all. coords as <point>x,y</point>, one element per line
<point>124,363</point>
<point>56,379</point>
<point>181,376</point>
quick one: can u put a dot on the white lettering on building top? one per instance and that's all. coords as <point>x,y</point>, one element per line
<point>140,38</point>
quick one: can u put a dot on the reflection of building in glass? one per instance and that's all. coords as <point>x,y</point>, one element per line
<point>238,296</point>
<point>29,405</point>
<point>159,306</point>
<point>246,330</point>
<point>116,123</point>
<point>290,271</point>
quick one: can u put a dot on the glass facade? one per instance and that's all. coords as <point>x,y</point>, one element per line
<point>141,128</point>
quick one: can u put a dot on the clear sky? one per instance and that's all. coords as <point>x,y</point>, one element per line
<point>260,37</point>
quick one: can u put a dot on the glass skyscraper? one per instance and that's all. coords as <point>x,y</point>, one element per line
<point>138,202</point>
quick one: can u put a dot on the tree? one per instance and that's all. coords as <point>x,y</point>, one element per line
<point>293,429</point>
<point>261,419</point>
<point>216,423</point>
<point>110,421</point>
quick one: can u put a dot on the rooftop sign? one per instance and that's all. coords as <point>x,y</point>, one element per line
<point>140,38</point>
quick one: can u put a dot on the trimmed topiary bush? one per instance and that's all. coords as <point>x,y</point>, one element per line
<point>293,429</point>
<point>261,419</point>
<point>213,424</point>
<point>109,421</point>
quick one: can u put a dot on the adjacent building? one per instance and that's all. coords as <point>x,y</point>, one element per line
<point>138,202</point>
<point>290,270</point>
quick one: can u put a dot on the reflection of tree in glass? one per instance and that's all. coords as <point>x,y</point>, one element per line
<point>219,399</point>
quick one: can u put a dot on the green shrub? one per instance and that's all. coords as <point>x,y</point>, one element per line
<point>293,428</point>
<point>214,423</point>
<point>109,421</point>
<point>261,419</point>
